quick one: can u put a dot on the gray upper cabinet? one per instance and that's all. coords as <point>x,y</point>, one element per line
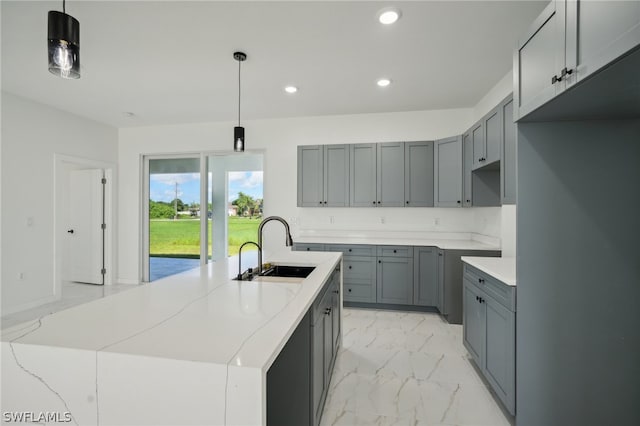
<point>390,174</point>
<point>597,33</point>
<point>336,176</point>
<point>539,58</point>
<point>418,184</point>
<point>477,138</point>
<point>448,172</point>
<point>310,176</point>
<point>492,125</point>
<point>567,43</point>
<point>508,163</point>
<point>363,176</point>
<point>323,176</point>
<point>425,276</point>
<point>467,167</point>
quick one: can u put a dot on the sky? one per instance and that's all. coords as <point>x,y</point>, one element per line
<point>162,187</point>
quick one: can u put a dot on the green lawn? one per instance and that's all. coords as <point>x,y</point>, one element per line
<point>181,238</point>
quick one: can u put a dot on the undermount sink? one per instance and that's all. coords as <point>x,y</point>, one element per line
<point>277,272</point>
<point>288,271</point>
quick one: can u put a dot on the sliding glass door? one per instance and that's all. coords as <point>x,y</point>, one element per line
<point>198,208</point>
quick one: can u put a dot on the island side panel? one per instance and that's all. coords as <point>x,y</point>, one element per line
<point>246,397</point>
<point>145,390</point>
<point>50,380</point>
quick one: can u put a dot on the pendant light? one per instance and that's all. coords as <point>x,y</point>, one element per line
<point>238,131</point>
<point>64,44</point>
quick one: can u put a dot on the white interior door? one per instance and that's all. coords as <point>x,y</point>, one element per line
<point>85,233</point>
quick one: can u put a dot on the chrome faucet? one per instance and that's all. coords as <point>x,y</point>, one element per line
<point>288,241</point>
<point>240,257</point>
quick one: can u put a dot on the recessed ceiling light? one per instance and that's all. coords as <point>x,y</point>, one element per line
<point>389,15</point>
<point>291,89</point>
<point>384,82</point>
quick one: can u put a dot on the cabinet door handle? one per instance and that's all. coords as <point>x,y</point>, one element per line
<point>349,266</point>
<point>458,201</point>
<point>378,202</point>
<point>320,202</point>
<point>327,311</point>
<point>555,79</point>
<point>468,201</point>
<point>336,291</point>
<point>379,261</point>
<point>349,250</point>
<point>480,280</point>
<point>477,299</point>
<point>407,202</point>
<point>349,290</point>
<point>374,203</point>
<point>395,251</point>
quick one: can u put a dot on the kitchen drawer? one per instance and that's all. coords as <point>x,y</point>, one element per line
<point>395,251</point>
<point>359,293</point>
<point>353,250</point>
<point>308,247</point>
<point>359,270</point>
<point>502,293</point>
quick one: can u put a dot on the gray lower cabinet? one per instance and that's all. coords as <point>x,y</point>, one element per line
<point>308,247</point>
<point>360,279</point>
<point>425,276</point>
<point>441,283</point>
<point>325,338</point>
<point>395,280</point>
<point>508,163</point>
<point>418,184</point>
<point>298,380</point>
<point>489,331</point>
<point>448,172</point>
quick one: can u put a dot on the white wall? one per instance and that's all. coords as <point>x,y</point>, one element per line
<point>278,139</point>
<point>31,134</point>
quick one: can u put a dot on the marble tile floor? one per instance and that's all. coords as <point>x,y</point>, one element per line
<point>406,368</point>
<point>73,294</point>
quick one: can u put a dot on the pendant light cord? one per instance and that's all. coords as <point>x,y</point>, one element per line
<point>239,64</point>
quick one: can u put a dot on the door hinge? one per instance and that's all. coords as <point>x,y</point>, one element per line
<point>104,181</point>
<point>103,271</point>
<point>103,226</point>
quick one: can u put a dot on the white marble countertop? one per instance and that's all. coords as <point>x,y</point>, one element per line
<point>193,348</point>
<point>501,268</point>
<point>446,241</point>
<point>200,315</point>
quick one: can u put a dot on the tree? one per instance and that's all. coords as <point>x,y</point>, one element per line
<point>160,210</point>
<point>244,203</point>
<point>180,204</point>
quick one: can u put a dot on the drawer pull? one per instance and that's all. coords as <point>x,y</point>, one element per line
<point>395,251</point>
<point>481,280</point>
<point>350,250</point>
<point>349,266</point>
<point>349,290</point>
<point>327,311</point>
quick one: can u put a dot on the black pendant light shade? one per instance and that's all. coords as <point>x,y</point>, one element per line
<point>238,131</point>
<point>64,45</point>
<point>238,139</point>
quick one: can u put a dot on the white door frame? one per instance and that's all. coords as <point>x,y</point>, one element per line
<point>59,216</point>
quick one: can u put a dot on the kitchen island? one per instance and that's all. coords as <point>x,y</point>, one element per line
<point>194,348</point>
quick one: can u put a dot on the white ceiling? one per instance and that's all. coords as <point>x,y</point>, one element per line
<point>171,61</point>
